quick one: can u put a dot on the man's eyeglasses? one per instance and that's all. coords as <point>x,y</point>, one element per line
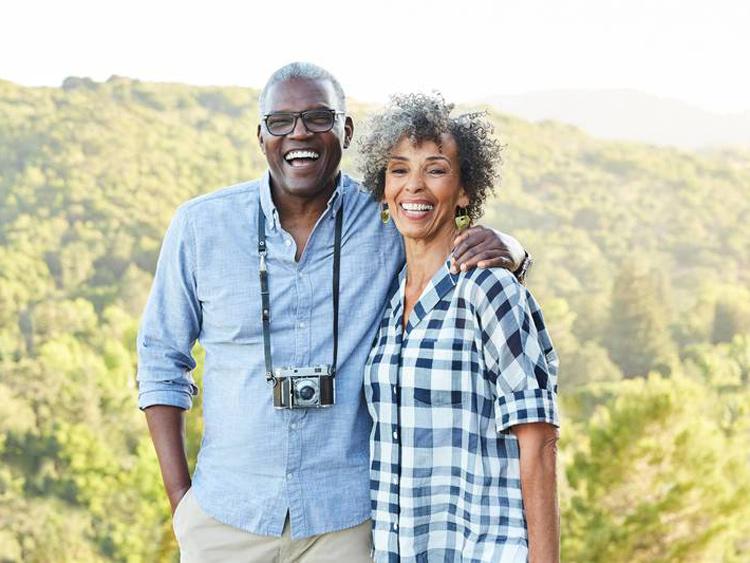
<point>315,121</point>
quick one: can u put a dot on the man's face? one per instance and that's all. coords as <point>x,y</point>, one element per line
<point>313,171</point>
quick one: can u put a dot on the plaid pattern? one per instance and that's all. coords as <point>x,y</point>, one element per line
<point>475,359</point>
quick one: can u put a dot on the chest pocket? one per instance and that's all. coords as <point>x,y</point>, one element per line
<point>443,371</point>
<point>359,294</point>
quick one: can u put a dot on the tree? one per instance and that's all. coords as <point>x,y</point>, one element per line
<point>638,336</point>
<point>652,481</point>
<point>731,314</point>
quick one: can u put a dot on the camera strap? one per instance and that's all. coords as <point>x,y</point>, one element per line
<point>264,295</point>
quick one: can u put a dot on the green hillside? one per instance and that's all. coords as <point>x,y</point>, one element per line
<point>642,269</point>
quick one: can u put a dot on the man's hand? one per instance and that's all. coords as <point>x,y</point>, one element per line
<point>176,496</point>
<point>486,248</point>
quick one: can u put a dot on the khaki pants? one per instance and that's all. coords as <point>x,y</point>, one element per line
<point>203,539</point>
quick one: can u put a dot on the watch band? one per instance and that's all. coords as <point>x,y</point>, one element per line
<point>523,269</point>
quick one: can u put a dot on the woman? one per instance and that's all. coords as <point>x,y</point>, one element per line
<point>461,380</point>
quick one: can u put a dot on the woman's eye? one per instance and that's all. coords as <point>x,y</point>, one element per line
<point>437,171</point>
<point>398,171</point>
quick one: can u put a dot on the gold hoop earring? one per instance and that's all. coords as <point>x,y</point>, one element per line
<point>462,219</point>
<point>385,213</point>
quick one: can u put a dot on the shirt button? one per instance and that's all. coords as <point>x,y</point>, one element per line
<point>395,391</point>
<point>395,435</point>
<point>395,480</point>
<point>302,325</point>
<point>395,526</point>
<point>288,242</point>
<point>294,427</point>
<point>289,475</point>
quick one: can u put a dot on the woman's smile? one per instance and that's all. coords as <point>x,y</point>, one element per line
<point>416,209</point>
<point>423,188</point>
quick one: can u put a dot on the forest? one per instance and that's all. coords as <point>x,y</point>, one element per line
<point>642,267</point>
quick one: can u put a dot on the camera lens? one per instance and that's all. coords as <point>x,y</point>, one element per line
<point>307,392</point>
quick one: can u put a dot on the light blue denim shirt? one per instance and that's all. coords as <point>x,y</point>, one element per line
<point>255,462</point>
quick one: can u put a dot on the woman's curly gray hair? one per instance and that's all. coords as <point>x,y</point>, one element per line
<point>422,117</point>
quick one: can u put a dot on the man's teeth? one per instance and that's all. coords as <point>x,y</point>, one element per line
<point>291,155</point>
<point>417,206</point>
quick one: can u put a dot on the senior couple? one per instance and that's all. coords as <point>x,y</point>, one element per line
<point>305,286</point>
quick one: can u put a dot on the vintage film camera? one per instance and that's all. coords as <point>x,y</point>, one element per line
<point>304,388</point>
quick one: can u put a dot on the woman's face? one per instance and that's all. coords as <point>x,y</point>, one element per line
<point>423,187</point>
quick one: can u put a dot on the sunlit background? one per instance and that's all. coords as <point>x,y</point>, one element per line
<point>626,174</point>
<point>686,50</point>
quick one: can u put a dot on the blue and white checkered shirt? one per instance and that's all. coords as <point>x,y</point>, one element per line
<point>474,360</point>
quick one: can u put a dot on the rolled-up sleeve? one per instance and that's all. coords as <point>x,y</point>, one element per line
<point>518,354</point>
<point>171,323</point>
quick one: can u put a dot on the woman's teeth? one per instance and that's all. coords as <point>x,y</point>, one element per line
<point>416,206</point>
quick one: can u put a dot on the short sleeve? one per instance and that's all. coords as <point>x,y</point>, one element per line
<point>518,354</point>
<point>171,323</point>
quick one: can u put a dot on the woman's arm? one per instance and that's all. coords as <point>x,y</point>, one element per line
<point>520,360</point>
<point>537,444</point>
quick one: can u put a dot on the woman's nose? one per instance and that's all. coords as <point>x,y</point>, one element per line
<point>415,183</point>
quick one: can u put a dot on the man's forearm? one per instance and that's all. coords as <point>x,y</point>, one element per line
<point>539,491</point>
<point>167,427</point>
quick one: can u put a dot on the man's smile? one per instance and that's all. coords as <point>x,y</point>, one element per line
<point>301,157</point>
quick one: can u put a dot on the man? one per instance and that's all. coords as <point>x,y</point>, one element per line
<point>289,484</point>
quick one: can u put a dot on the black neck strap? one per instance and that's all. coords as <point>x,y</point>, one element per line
<point>265,302</point>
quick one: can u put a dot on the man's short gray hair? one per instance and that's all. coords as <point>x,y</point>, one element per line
<point>303,71</point>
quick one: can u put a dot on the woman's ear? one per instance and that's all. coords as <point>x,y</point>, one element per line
<point>463,198</point>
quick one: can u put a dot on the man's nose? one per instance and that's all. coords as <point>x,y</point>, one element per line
<point>299,131</point>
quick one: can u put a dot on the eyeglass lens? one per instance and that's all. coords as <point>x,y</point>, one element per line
<point>315,121</point>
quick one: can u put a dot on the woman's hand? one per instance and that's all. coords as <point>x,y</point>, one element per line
<point>537,444</point>
<point>486,248</point>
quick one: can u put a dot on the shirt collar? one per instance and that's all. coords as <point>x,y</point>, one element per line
<point>440,284</point>
<point>334,202</point>
<point>272,214</point>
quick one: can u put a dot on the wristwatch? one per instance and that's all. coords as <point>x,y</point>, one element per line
<point>523,269</point>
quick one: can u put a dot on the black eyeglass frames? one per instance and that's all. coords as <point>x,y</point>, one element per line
<point>315,121</point>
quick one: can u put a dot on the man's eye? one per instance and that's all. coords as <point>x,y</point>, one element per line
<point>319,117</point>
<point>279,120</point>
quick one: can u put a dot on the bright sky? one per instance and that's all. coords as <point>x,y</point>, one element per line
<point>692,50</point>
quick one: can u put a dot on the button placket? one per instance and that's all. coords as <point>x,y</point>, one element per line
<point>301,324</point>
